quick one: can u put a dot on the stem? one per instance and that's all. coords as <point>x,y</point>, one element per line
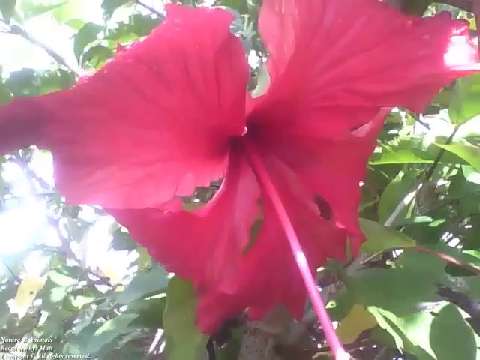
<point>19,31</point>
<point>298,253</point>
<point>441,255</point>
<point>149,8</point>
<point>407,199</point>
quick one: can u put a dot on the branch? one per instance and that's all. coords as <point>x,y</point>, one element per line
<point>466,5</point>
<point>19,31</point>
<point>149,8</point>
<point>439,254</point>
<point>468,305</point>
<point>419,184</point>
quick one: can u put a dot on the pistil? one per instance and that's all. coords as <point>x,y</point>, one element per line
<point>299,255</point>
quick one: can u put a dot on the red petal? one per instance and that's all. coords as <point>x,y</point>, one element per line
<point>153,123</point>
<point>331,168</point>
<point>205,246</point>
<point>267,275</point>
<point>360,53</point>
<point>334,65</point>
<point>211,247</point>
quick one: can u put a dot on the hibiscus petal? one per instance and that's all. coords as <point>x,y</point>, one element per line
<point>205,246</point>
<point>153,123</point>
<point>267,275</point>
<point>340,64</point>
<point>333,169</point>
<point>361,53</point>
<point>235,260</point>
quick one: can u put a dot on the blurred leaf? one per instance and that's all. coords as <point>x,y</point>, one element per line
<point>97,56</point>
<point>393,194</point>
<point>239,5</point>
<point>466,151</point>
<point>85,36</point>
<point>28,82</point>
<point>150,312</point>
<point>26,293</point>
<point>109,331</point>
<point>184,339</point>
<point>144,284</point>
<point>400,290</point>
<point>144,260</point>
<point>415,7</point>
<point>123,241</point>
<point>61,279</point>
<point>6,293</point>
<point>109,6</point>
<point>355,323</point>
<point>7,9</point>
<point>380,238</point>
<point>5,95</point>
<point>464,104</point>
<point>410,332</point>
<point>451,337</point>
<point>31,8</point>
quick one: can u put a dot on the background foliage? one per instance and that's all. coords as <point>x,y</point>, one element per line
<point>73,279</point>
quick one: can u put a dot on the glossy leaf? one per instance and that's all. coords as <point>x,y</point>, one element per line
<point>184,340</point>
<point>464,104</point>
<point>451,337</point>
<point>355,323</point>
<point>85,36</point>
<point>143,284</point>
<point>393,194</point>
<point>466,151</point>
<point>380,238</point>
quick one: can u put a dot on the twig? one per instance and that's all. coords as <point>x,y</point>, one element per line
<point>420,184</point>
<point>431,170</point>
<point>12,273</point>
<point>441,255</point>
<point>19,31</point>
<point>466,5</point>
<point>149,8</point>
<point>449,259</point>
<point>211,350</point>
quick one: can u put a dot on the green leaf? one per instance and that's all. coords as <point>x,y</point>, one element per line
<point>109,331</point>
<point>73,11</point>
<point>402,289</point>
<point>464,104</point>
<point>466,151</point>
<point>355,323</point>
<point>85,36</point>
<point>109,6</point>
<point>451,337</point>
<point>97,56</point>
<point>61,279</point>
<point>393,194</point>
<point>7,9</point>
<point>5,95</point>
<point>380,238</point>
<point>184,339</point>
<point>405,150</point>
<point>32,8</point>
<point>410,332</point>
<point>150,312</point>
<point>239,5</point>
<point>415,7</point>
<point>123,241</point>
<point>144,284</point>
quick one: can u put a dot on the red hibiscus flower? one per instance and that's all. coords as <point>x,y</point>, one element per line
<point>171,113</point>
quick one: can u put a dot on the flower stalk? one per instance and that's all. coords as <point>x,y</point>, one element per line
<point>297,252</point>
